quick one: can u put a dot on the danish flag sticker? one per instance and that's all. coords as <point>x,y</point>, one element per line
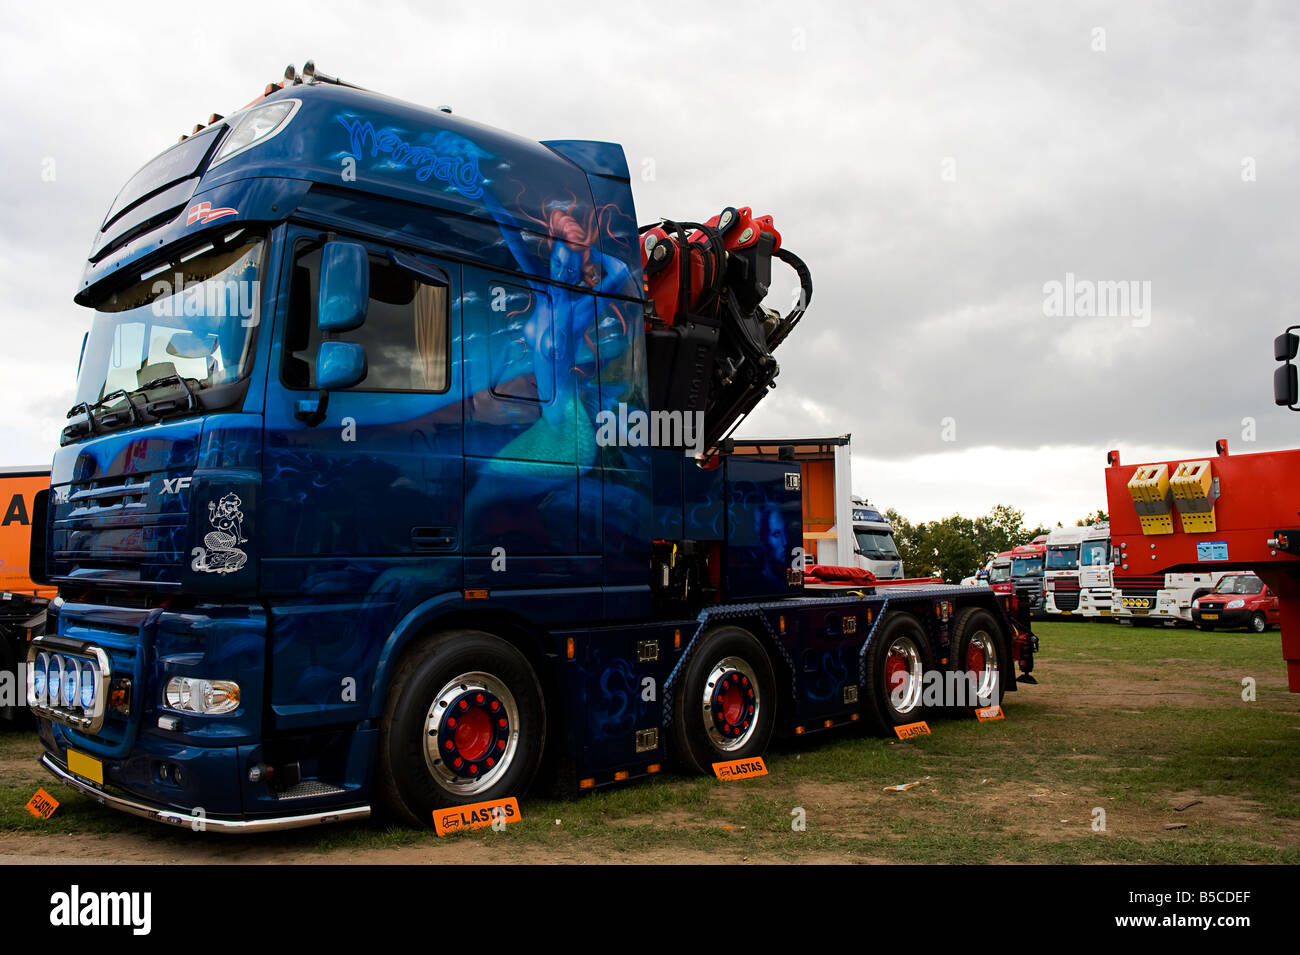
<point>203,212</point>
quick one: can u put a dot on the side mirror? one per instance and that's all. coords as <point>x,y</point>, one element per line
<point>1285,347</point>
<point>1284,385</point>
<point>339,365</point>
<point>344,286</point>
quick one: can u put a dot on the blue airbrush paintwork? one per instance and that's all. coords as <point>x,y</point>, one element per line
<point>302,544</point>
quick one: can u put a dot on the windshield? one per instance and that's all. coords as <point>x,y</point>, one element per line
<point>876,545</point>
<point>1000,573</point>
<point>1026,567</point>
<point>1063,558</point>
<point>186,327</point>
<point>1094,553</point>
<point>1240,584</point>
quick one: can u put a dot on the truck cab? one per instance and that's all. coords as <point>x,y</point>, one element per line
<point>999,576</point>
<point>1061,574</point>
<point>1027,569</point>
<point>874,538</point>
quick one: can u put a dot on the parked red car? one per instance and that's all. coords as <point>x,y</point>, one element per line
<point>1238,600</point>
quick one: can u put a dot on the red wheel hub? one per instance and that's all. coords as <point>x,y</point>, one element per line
<point>895,670</point>
<point>975,661</point>
<point>473,734</point>
<point>733,702</point>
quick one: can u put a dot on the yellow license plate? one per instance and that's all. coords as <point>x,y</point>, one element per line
<point>1209,616</point>
<point>1104,613</point>
<point>86,766</point>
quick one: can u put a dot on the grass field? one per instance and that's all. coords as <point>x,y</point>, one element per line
<point>1148,727</point>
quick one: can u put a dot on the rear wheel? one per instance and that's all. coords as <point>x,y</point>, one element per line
<point>465,723</point>
<point>725,706</point>
<point>896,665</point>
<point>977,653</point>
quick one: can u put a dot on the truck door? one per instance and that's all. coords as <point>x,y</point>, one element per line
<point>533,496</point>
<point>362,511</point>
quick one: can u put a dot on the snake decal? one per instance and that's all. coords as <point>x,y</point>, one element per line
<point>220,553</point>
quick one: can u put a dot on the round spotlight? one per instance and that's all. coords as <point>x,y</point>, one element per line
<point>40,671</point>
<point>71,682</point>
<point>89,686</point>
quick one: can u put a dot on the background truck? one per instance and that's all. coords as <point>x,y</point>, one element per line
<point>1027,568</point>
<point>401,488</point>
<point>1148,599</point>
<point>22,601</point>
<point>825,466</point>
<point>1078,571</point>
<point>1000,573</point>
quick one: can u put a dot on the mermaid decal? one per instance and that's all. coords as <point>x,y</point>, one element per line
<point>220,555</point>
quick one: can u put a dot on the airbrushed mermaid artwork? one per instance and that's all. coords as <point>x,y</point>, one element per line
<point>220,553</point>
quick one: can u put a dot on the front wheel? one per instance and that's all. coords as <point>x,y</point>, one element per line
<point>725,706</point>
<point>465,723</point>
<point>1258,623</point>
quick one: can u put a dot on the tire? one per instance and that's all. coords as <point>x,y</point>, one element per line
<point>1258,623</point>
<point>901,647</point>
<point>978,648</point>
<point>465,722</point>
<point>725,706</point>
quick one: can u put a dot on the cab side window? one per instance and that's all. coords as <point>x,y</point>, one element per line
<point>405,334</point>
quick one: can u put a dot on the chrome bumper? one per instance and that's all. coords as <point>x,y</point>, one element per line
<point>201,823</point>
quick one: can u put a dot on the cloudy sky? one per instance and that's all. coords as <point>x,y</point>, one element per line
<point>937,165</point>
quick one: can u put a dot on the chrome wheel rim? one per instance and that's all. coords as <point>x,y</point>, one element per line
<point>982,663</point>
<point>731,704</point>
<point>904,675</point>
<point>471,733</point>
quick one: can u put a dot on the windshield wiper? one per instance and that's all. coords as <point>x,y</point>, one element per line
<point>111,419</point>
<point>163,406</point>
<point>74,431</point>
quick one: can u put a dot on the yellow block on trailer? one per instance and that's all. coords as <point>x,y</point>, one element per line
<point>1149,489</point>
<point>1195,490</point>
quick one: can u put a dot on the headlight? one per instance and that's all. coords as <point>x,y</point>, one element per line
<point>71,683</point>
<point>256,126</point>
<point>209,697</point>
<point>54,682</point>
<point>1196,602</point>
<point>1236,604</point>
<point>89,686</point>
<point>39,674</point>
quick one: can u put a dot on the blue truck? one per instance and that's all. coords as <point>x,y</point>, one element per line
<point>397,477</point>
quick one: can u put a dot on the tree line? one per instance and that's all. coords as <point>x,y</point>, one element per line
<point>956,547</point>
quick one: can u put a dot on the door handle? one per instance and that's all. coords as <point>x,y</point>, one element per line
<point>433,538</point>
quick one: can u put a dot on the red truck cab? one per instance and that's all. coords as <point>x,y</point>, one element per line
<point>1238,600</point>
<point>1000,573</point>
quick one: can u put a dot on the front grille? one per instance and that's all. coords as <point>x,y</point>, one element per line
<point>1152,582</point>
<point>1067,601</point>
